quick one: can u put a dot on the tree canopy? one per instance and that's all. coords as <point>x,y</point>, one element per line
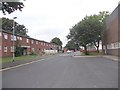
<point>88,31</point>
<point>10,7</point>
<point>7,25</point>
<point>56,41</point>
<point>71,45</point>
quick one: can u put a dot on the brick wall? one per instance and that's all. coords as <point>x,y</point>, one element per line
<point>111,42</point>
<point>29,45</point>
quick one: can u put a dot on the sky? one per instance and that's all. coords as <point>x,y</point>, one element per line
<point>46,19</point>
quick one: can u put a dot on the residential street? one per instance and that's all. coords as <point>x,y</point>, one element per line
<point>64,71</point>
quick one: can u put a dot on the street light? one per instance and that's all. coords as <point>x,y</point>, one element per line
<point>13,38</point>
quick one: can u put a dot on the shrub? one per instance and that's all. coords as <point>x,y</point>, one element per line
<point>19,51</point>
<point>32,53</point>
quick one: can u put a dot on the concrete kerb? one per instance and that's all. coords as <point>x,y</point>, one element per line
<point>114,58</point>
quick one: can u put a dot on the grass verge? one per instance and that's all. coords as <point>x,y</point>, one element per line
<point>92,54</point>
<point>9,59</point>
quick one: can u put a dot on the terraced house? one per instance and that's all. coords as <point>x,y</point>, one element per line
<point>28,44</point>
<point>111,41</point>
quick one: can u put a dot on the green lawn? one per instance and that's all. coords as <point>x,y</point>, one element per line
<point>92,53</point>
<point>9,59</point>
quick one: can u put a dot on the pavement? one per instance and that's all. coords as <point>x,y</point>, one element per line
<point>64,71</point>
<point>111,57</point>
<point>114,58</point>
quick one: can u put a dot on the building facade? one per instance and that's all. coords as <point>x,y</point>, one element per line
<point>111,41</point>
<point>28,44</point>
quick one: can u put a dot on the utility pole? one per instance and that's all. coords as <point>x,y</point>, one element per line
<point>13,39</point>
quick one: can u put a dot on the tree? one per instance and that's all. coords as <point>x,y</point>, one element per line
<point>88,31</point>
<point>56,41</point>
<point>7,25</point>
<point>10,7</point>
<point>71,45</point>
<point>98,25</point>
<point>18,49</point>
<point>80,34</point>
<point>95,27</point>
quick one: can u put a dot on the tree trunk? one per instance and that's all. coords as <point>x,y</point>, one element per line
<point>85,48</point>
<point>97,48</point>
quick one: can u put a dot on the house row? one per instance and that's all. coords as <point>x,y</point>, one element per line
<point>28,44</point>
<point>111,35</point>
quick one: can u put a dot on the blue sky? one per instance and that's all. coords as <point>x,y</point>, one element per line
<point>46,19</point>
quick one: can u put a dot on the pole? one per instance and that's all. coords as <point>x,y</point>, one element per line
<point>13,39</point>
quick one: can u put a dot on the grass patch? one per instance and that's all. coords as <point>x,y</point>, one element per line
<point>92,53</point>
<point>9,59</point>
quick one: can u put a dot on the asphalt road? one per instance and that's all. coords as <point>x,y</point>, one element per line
<point>64,71</point>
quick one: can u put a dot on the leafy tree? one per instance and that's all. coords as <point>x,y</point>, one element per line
<point>100,26</point>
<point>7,25</point>
<point>88,31</point>
<point>56,41</point>
<point>18,49</point>
<point>80,34</point>
<point>10,7</point>
<point>71,45</point>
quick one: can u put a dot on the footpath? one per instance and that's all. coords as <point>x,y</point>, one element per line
<point>111,57</point>
<point>114,58</point>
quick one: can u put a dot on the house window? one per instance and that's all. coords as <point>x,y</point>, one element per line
<point>0,48</point>
<point>0,34</point>
<point>119,45</point>
<point>20,38</point>
<point>36,42</point>
<point>116,45</point>
<point>12,49</point>
<point>27,40</point>
<point>33,49</point>
<point>5,48</point>
<point>5,36</point>
<point>13,37</point>
<point>32,41</point>
<point>112,45</point>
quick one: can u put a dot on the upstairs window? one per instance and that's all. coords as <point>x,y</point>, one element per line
<point>33,49</point>
<point>27,40</point>
<point>0,48</point>
<point>5,36</point>
<point>5,48</point>
<point>12,49</point>
<point>13,37</point>
<point>20,38</point>
<point>32,41</point>
<point>36,42</point>
<point>0,34</point>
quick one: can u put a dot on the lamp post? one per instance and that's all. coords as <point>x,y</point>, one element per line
<point>13,38</point>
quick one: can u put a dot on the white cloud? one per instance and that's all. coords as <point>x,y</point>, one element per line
<point>46,19</point>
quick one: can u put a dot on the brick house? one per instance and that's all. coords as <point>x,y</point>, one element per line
<point>28,44</point>
<point>111,41</point>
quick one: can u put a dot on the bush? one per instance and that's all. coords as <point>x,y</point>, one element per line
<point>19,51</point>
<point>32,53</point>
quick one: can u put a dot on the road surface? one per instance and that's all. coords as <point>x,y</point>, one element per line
<point>64,71</point>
